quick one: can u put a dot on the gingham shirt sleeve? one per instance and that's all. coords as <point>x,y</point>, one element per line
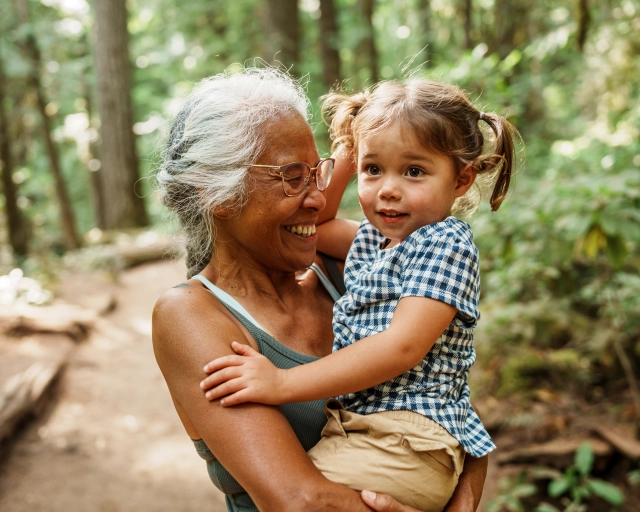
<point>446,268</point>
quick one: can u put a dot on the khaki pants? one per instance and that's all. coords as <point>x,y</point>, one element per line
<point>400,453</point>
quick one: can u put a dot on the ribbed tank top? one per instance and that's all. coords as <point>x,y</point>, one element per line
<point>306,418</point>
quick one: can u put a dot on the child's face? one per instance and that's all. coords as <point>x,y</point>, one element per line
<point>402,186</point>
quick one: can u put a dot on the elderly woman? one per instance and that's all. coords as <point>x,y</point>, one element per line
<point>242,173</point>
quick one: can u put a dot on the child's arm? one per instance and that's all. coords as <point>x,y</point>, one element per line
<point>336,235</point>
<point>416,325</point>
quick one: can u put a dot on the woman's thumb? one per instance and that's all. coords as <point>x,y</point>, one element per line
<point>380,502</point>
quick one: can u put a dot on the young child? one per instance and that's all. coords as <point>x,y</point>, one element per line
<point>404,330</point>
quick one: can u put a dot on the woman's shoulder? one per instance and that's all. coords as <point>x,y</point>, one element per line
<point>186,313</point>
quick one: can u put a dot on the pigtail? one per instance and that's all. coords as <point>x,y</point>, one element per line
<point>339,112</point>
<point>502,158</point>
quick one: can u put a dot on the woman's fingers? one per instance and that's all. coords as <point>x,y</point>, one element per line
<point>384,503</point>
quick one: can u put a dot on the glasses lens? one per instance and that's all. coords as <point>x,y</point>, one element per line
<point>323,174</point>
<point>294,176</point>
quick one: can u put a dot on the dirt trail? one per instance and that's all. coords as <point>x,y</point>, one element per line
<point>111,441</point>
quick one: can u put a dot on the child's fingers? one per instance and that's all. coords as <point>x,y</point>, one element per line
<point>224,389</point>
<point>240,397</point>
<point>244,350</point>
<point>220,376</point>
<point>223,362</point>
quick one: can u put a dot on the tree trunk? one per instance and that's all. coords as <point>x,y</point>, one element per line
<point>119,161</point>
<point>95,175</point>
<point>584,20</point>
<point>369,42</point>
<point>282,32</point>
<point>466,16</point>
<point>30,48</point>
<point>16,223</point>
<point>510,27</point>
<point>329,44</point>
<point>423,8</point>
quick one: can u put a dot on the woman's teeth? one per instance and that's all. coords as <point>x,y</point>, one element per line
<point>301,230</point>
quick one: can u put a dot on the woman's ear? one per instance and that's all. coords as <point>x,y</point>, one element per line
<point>465,179</point>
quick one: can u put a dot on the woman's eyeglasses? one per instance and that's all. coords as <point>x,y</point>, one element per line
<point>295,176</point>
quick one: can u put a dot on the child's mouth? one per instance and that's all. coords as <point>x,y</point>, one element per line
<point>391,217</point>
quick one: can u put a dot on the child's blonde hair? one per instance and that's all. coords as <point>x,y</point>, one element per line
<point>440,115</point>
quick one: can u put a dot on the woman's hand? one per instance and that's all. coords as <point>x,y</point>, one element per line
<point>384,503</point>
<point>247,377</point>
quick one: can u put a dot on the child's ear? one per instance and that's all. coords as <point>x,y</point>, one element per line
<point>464,181</point>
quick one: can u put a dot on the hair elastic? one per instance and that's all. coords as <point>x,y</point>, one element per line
<point>480,116</point>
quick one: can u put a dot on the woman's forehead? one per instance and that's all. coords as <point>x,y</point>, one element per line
<point>288,135</point>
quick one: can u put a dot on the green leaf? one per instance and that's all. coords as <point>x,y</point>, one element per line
<point>584,459</point>
<point>546,507</point>
<point>606,491</point>
<point>524,490</point>
<point>558,487</point>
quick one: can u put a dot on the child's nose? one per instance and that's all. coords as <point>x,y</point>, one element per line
<point>389,189</point>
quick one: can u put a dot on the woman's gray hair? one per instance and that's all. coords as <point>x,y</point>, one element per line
<point>218,132</point>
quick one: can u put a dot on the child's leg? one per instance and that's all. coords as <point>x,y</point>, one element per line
<point>399,453</point>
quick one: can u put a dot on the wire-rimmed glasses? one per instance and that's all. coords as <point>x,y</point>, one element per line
<point>295,176</point>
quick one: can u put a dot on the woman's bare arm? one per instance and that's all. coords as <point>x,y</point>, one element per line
<point>255,443</point>
<point>466,497</point>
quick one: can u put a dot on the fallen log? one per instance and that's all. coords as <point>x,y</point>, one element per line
<point>626,445</point>
<point>558,453</point>
<point>22,319</point>
<point>21,394</point>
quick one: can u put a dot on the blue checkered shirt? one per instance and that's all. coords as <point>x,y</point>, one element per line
<point>439,261</point>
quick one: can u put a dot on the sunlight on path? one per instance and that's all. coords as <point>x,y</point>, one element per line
<point>112,442</point>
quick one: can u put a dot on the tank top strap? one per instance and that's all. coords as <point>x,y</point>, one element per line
<point>227,299</point>
<point>267,344</point>
<point>335,295</point>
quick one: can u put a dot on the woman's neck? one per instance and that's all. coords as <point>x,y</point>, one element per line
<point>244,277</point>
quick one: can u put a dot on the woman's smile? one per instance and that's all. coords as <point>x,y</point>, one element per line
<point>303,230</point>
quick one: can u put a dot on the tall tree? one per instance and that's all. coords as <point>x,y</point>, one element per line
<point>119,160</point>
<point>282,32</point>
<point>584,20</point>
<point>510,26</point>
<point>95,173</point>
<point>329,43</point>
<point>369,41</point>
<point>423,8</point>
<point>16,223</point>
<point>467,9</point>
<point>31,50</point>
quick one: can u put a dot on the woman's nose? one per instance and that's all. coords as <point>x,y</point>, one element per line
<point>313,198</point>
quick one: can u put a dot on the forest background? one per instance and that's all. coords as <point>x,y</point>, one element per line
<point>86,92</point>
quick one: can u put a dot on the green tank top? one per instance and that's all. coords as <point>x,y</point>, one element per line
<point>307,419</point>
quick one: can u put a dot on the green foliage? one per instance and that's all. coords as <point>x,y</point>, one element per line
<point>578,483</point>
<point>560,260</point>
<point>510,494</point>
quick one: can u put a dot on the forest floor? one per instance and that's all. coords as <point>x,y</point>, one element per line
<point>109,440</point>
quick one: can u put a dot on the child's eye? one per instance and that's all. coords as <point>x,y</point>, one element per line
<point>372,170</point>
<point>414,172</point>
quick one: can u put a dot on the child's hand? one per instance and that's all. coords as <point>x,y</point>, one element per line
<point>247,377</point>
